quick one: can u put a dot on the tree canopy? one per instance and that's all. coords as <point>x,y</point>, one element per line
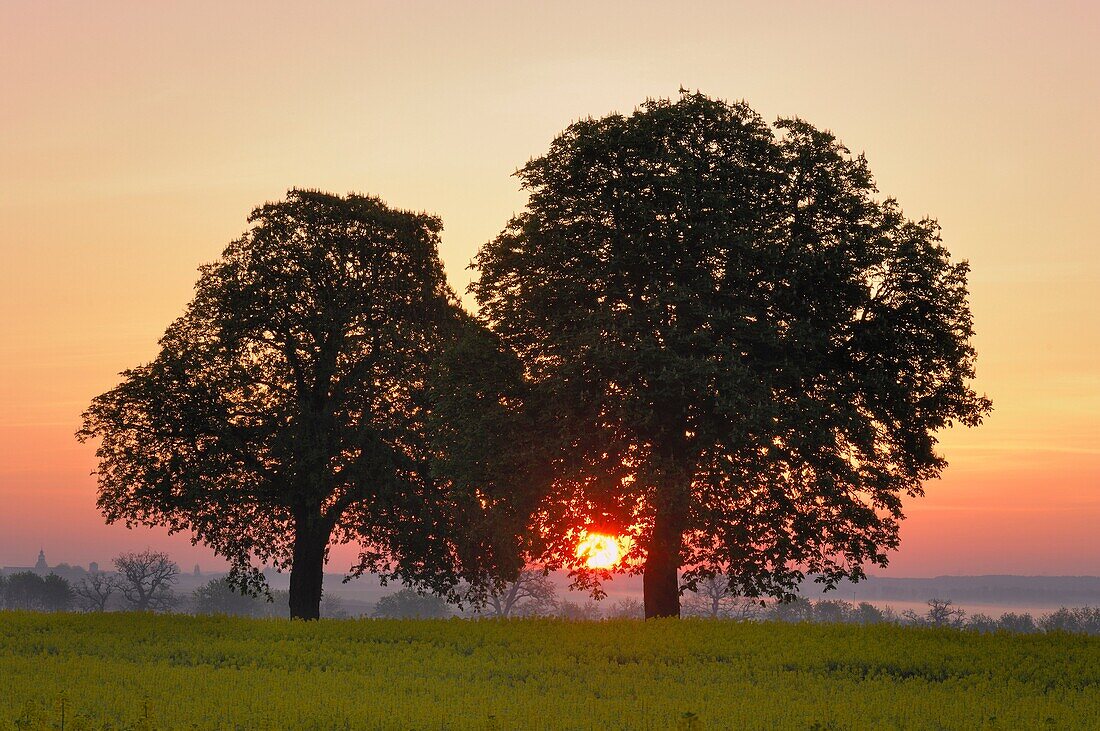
<point>408,604</point>
<point>219,596</point>
<point>28,590</point>
<point>744,353</point>
<point>145,580</point>
<point>289,405</point>
<point>93,592</point>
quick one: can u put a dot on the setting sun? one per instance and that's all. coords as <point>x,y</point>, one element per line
<point>599,551</point>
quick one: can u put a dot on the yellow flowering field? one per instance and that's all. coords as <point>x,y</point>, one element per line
<point>134,671</point>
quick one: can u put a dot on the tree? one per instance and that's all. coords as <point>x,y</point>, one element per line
<point>23,590</point>
<point>1018,623</point>
<point>219,596</point>
<point>410,604</point>
<point>867,613</point>
<point>1085,620</point>
<point>627,608</point>
<point>94,591</point>
<point>27,590</point>
<point>590,611</point>
<point>483,418</point>
<point>288,406</point>
<point>982,623</point>
<point>713,599</point>
<point>798,609</point>
<point>744,354</point>
<point>532,593</point>
<point>57,594</point>
<point>833,611</point>
<point>941,613</point>
<point>146,579</point>
<point>332,607</point>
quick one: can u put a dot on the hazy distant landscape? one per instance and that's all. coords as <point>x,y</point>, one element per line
<point>990,595</point>
<point>1032,593</point>
<point>1036,594</point>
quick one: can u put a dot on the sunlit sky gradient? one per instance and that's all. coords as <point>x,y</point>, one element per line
<point>136,137</point>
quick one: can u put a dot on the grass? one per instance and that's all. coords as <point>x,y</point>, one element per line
<point>128,671</point>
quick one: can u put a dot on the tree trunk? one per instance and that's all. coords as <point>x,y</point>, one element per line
<point>660,575</point>
<point>307,570</point>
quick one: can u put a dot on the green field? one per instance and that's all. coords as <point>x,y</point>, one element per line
<point>123,671</point>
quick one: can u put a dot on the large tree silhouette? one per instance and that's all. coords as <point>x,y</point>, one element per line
<point>288,407</point>
<point>745,354</point>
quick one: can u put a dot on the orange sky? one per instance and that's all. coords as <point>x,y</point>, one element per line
<point>135,138</point>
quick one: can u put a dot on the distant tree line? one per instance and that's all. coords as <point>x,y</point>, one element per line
<point>407,604</point>
<point>939,613</point>
<point>144,582</point>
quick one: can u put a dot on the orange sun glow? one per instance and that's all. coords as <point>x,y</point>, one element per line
<point>599,551</point>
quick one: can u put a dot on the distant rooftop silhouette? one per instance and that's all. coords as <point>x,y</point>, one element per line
<point>42,567</point>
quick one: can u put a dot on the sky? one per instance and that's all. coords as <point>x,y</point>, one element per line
<point>135,138</point>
